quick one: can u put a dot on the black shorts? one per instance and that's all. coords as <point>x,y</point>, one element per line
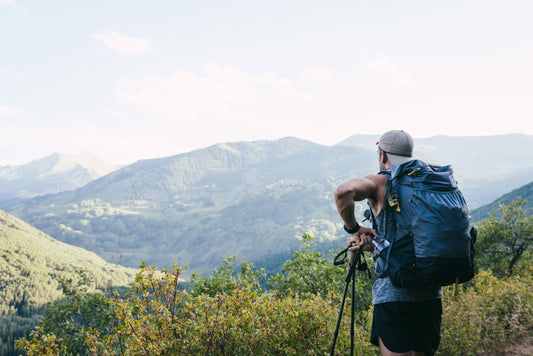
<point>406,326</point>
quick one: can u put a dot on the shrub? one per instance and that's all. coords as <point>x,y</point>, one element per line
<point>505,241</point>
<point>245,323</point>
<point>231,314</point>
<point>226,279</point>
<point>156,320</point>
<point>308,273</point>
<point>487,317</point>
<point>67,322</point>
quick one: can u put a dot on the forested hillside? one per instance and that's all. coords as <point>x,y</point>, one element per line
<point>31,264</point>
<point>251,200</point>
<point>525,192</point>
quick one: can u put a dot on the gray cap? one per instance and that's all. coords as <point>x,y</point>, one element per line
<point>397,142</point>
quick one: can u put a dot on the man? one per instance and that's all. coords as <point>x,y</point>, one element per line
<point>406,321</point>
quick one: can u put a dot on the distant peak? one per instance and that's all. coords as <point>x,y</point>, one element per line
<point>58,162</point>
<point>227,147</point>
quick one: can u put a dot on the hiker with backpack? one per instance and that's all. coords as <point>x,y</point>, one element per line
<point>420,239</point>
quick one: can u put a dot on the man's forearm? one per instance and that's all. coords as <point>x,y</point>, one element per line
<point>345,207</point>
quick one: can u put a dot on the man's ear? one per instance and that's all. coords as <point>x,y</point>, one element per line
<point>385,161</point>
<point>383,158</point>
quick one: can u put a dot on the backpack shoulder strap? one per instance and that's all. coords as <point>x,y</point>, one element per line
<point>388,200</point>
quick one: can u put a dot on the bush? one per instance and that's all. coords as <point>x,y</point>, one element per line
<point>505,243</point>
<point>308,273</point>
<point>226,279</point>
<point>231,314</point>
<point>157,320</point>
<point>67,322</point>
<point>487,317</point>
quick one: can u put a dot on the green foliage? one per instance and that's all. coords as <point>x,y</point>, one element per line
<point>247,323</point>
<point>308,273</point>
<point>226,279</point>
<point>80,311</point>
<point>505,243</point>
<point>243,322</point>
<point>229,313</point>
<point>156,317</point>
<point>31,263</point>
<point>42,343</point>
<point>152,315</point>
<point>14,327</point>
<point>68,320</point>
<point>488,317</point>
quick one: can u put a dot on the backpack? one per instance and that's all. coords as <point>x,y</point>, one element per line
<point>431,244</point>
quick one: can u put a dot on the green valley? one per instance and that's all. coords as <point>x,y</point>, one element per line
<point>31,264</point>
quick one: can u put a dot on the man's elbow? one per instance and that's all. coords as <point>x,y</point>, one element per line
<point>341,193</point>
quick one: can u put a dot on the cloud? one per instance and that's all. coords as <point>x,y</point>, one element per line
<point>7,2</point>
<point>113,113</point>
<point>385,66</point>
<point>12,111</point>
<point>133,46</point>
<point>317,74</point>
<point>186,95</point>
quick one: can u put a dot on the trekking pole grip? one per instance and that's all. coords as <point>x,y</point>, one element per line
<point>353,259</point>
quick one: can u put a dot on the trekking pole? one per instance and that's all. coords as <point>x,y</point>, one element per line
<point>352,322</point>
<point>355,258</point>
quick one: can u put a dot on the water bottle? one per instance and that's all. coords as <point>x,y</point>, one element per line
<point>379,245</point>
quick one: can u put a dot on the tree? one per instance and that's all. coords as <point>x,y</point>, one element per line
<point>505,240</point>
<point>226,279</point>
<point>67,322</point>
<point>308,273</point>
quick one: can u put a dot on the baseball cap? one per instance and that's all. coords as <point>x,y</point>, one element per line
<point>397,142</point>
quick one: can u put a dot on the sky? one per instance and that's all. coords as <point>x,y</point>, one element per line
<point>128,80</point>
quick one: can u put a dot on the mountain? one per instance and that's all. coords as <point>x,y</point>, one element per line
<point>486,167</point>
<point>32,262</point>
<point>252,200</point>
<point>55,173</point>
<point>248,199</point>
<point>524,192</point>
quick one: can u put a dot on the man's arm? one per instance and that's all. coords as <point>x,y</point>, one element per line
<point>356,189</point>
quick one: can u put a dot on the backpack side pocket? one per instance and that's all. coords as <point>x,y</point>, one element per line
<point>401,267</point>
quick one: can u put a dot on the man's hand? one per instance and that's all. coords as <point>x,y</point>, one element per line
<point>362,239</point>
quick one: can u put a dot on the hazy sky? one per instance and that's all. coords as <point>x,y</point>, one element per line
<point>131,79</point>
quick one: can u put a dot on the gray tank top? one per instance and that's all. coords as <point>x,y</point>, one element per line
<point>383,291</point>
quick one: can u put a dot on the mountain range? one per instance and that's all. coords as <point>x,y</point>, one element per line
<point>524,192</point>
<point>486,167</point>
<point>55,173</point>
<point>252,200</point>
